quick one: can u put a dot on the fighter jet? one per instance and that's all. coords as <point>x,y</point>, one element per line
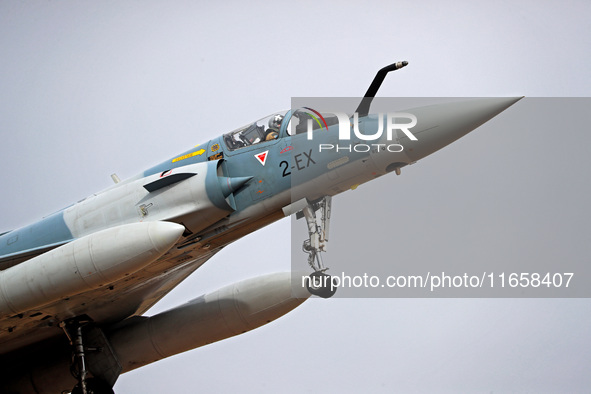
<point>75,285</point>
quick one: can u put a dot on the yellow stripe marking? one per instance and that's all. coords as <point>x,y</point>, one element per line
<point>196,153</point>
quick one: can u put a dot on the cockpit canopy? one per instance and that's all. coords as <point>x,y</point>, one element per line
<point>265,129</point>
<point>304,118</point>
<point>278,124</point>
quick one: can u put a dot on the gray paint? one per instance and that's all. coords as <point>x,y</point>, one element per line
<point>116,88</point>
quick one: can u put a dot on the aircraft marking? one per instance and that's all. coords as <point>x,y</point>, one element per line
<point>299,163</point>
<point>217,156</point>
<point>262,157</point>
<point>196,153</point>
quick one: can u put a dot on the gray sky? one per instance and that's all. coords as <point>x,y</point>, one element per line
<point>88,89</point>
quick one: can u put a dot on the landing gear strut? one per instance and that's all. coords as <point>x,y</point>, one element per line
<point>73,329</point>
<point>320,283</point>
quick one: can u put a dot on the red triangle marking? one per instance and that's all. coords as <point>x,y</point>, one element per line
<point>262,157</point>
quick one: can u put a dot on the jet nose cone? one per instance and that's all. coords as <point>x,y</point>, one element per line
<point>440,125</point>
<point>230,185</point>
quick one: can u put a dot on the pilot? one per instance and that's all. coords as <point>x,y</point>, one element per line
<point>274,125</point>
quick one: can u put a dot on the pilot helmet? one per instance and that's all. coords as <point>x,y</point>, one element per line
<point>275,122</point>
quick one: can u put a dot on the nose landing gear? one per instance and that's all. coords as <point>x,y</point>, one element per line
<point>319,283</point>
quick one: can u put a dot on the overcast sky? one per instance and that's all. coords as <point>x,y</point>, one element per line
<point>92,88</point>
